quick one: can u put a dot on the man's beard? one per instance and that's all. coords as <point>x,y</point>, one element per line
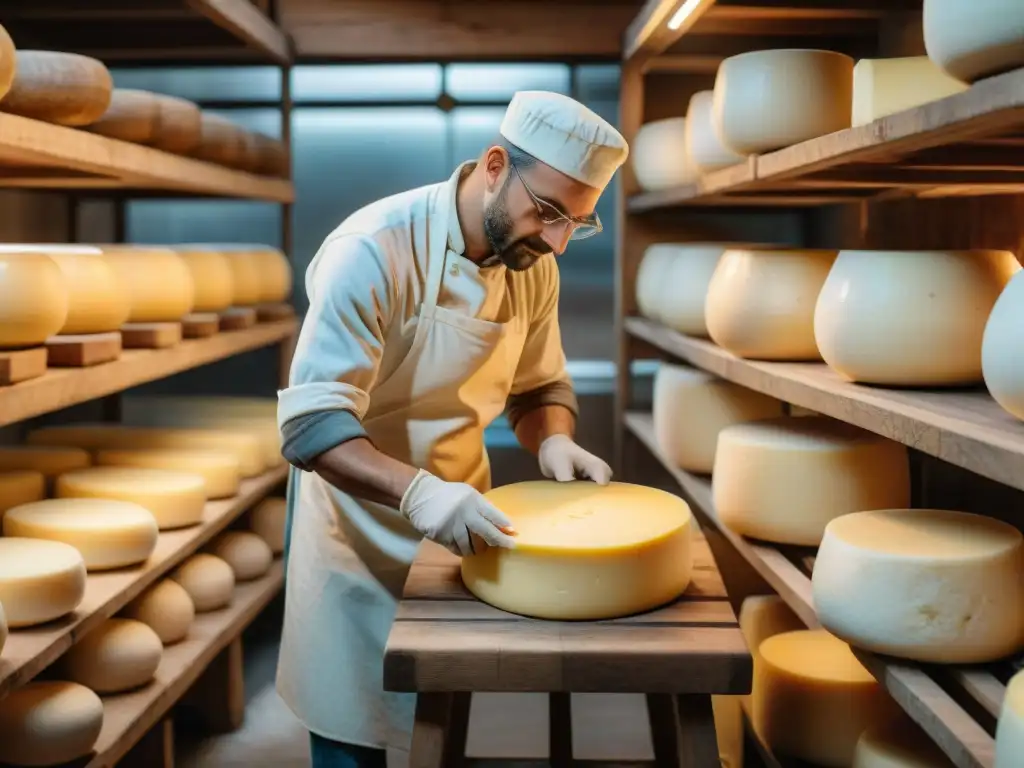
<point>517,255</point>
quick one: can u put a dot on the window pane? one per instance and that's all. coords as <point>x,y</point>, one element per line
<point>474,129</point>
<point>192,221</point>
<point>597,82</point>
<point>205,83</point>
<point>498,82</point>
<point>367,83</point>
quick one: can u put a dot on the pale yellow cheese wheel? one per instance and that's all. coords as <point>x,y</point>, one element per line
<point>20,487</point>
<point>760,303</point>
<point>899,743</point>
<point>166,608</point>
<point>46,723</point>
<point>97,302</point>
<point>209,581</point>
<point>33,299</point>
<point>909,318</point>
<point>267,520</point>
<point>246,276</point>
<point>275,274</point>
<point>974,39</point>
<point>117,656</point>
<point>176,499</point>
<point>156,279</point>
<point>248,555</point>
<point>658,155</point>
<point>8,62</point>
<point>882,87</point>
<point>705,150</point>
<point>178,126</point>
<point>764,616</point>
<point>1010,728</point>
<point>57,87</point>
<point>219,469</point>
<point>1002,348</point>
<point>651,276</point>
<point>212,278</point>
<point>51,460</point>
<point>132,115</point>
<point>39,580</point>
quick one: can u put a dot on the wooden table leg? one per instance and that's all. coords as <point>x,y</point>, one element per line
<point>698,743</point>
<point>430,730</point>
<point>458,730</point>
<point>560,730</point>
<point>661,714</point>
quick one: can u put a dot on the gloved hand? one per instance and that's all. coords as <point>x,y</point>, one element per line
<point>561,458</point>
<point>449,513</point>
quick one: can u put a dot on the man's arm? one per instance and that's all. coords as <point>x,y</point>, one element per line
<point>534,426</point>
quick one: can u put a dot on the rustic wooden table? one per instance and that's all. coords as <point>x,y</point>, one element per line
<point>446,645</point>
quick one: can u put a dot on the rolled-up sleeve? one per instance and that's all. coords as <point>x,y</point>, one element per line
<point>351,293</point>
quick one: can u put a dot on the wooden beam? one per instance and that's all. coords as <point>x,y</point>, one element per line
<point>249,24</point>
<point>650,34</point>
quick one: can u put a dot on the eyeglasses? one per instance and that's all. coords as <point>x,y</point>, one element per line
<point>580,227</point>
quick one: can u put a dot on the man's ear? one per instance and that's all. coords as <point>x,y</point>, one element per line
<point>495,164</point>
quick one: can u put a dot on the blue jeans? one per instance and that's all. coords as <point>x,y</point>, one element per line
<point>325,753</point>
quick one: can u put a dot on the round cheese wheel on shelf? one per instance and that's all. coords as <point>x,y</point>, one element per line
<point>33,299</point>
<point>108,533</point>
<point>178,126</point>
<point>248,555</point>
<point>1002,348</point>
<point>212,277</point>
<point>784,480</point>
<point>39,580</point>
<point>760,303</point>
<point>691,407</point>
<point>8,62</point>
<point>221,140</point>
<point>1010,727</point>
<point>681,293</point>
<point>764,616</point>
<point>659,156</point>
<point>976,39</point>
<point>117,656</point>
<point>176,499</point>
<point>51,460</point>
<point>909,318</point>
<point>20,487</point>
<point>166,608</point>
<point>267,520</point>
<point>929,585</point>
<point>156,280</point>
<point>57,87</point>
<point>632,540</point>
<point>45,723</point>
<point>275,274</point>
<point>132,115</point>
<point>899,743</point>
<point>97,302</point>
<point>703,147</point>
<point>246,276</point>
<point>219,469</point>
<point>812,698</point>
<point>273,156</point>
<point>651,276</point>
<point>209,581</point>
<point>250,155</point>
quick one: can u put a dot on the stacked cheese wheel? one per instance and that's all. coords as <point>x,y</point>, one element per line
<point>974,40</point>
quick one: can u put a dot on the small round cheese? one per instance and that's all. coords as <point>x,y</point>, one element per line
<point>33,299</point>
<point>766,100</point>
<point>1002,348</point>
<point>58,87</point>
<point>275,274</point>
<point>909,318</point>
<point>974,40</point>
<point>783,480</point>
<point>1010,728</point>
<point>20,487</point>
<point>166,608</point>
<point>51,460</point>
<point>49,723</point>
<point>812,698</point>
<point>175,499</point>
<point>209,581</point>
<point>585,551</point>
<point>39,580</point>
<point>108,533</point>
<point>267,520</point>
<point>248,555</point>
<point>132,115</point>
<point>117,656</point>
<point>156,280</point>
<point>898,744</point>
<point>178,125</point>
<point>703,147</point>
<point>219,469</point>
<point>691,407</point>
<point>924,584</point>
<point>246,276</point>
<point>96,301</point>
<point>222,140</point>
<point>212,276</point>
<point>760,303</point>
<point>659,156</point>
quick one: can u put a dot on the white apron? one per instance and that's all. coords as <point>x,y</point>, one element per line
<point>348,558</point>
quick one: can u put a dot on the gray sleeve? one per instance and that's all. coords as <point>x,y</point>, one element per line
<point>306,437</point>
<point>553,393</point>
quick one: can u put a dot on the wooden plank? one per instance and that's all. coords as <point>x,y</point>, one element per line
<point>21,365</point>
<point>78,351</point>
<point>29,651</point>
<point>61,388</point>
<point>967,429</point>
<point>249,24</point>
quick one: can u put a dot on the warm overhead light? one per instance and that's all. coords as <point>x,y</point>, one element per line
<point>683,13</point>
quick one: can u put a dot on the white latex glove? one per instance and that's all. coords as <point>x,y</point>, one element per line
<point>449,513</point>
<point>562,459</point>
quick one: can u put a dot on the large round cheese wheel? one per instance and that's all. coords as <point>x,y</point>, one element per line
<point>812,698</point>
<point>178,127</point>
<point>108,533</point>
<point>8,62</point>
<point>760,303</point>
<point>785,479</point>
<point>57,87</point>
<point>924,584</point>
<point>248,555</point>
<point>882,87</point>
<point>246,276</point>
<point>691,407</point>
<point>20,487</point>
<point>212,277</point>
<point>911,318</point>
<point>267,520</point>
<point>33,299</point>
<point>275,274</point>
<point>219,469</point>
<point>659,156</point>
<point>764,616</point>
<point>39,580</point>
<point>176,499</point>
<point>166,608</point>
<point>45,723</point>
<point>650,277</point>
<point>585,551</point>
<point>120,654</point>
<point>51,460</point>
<point>899,743</point>
<point>132,115</point>
<point>1010,728</point>
<point>1002,348</point>
<point>97,302</point>
<point>209,581</point>
<point>222,141</point>
<point>157,281</point>
<point>973,39</point>
<point>680,294</point>
<point>703,147</point>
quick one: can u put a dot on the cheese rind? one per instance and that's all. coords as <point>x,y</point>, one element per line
<point>219,469</point>
<point>924,584</point>
<point>658,155</point>
<point>157,281</point>
<point>974,40</point>
<point>39,580</point>
<point>585,551</point>
<point>783,480</point>
<point>209,581</point>
<point>1010,728</point>
<point>1002,348</point>
<point>681,290</point>
<point>898,744</point>
<point>883,87</point>
<point>166,608</point>
<point>48,723</point>
<point>267,520</point>
<point>20,487</point>
<point>212,277</point>
<point>33,299</point>
<point>248,555</point>
<point>703,146</point>
<point>97,302</point>
<point>50,460</point>
<point>117,656</point>
<point>650,275</point>
<point>58,87</point>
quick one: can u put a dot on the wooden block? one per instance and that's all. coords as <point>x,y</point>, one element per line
<point>269,313</point>
<point>21,364</point>
<point>237,318</point>
<point>82,350</point>
<point>150,335</point>
<point>200,325</point>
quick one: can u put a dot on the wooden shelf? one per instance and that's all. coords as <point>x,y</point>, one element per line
<point>63,387</point>
<point>38,155</point>
<point>127,717</point>
<point>956,706</point>
<point>29,651</point>
<point>965,428</point>
<point>157,31</point>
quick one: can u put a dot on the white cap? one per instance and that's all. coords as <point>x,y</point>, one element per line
<point>564,134</point>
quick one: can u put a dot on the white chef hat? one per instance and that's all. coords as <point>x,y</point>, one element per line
<point>564,134</point>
